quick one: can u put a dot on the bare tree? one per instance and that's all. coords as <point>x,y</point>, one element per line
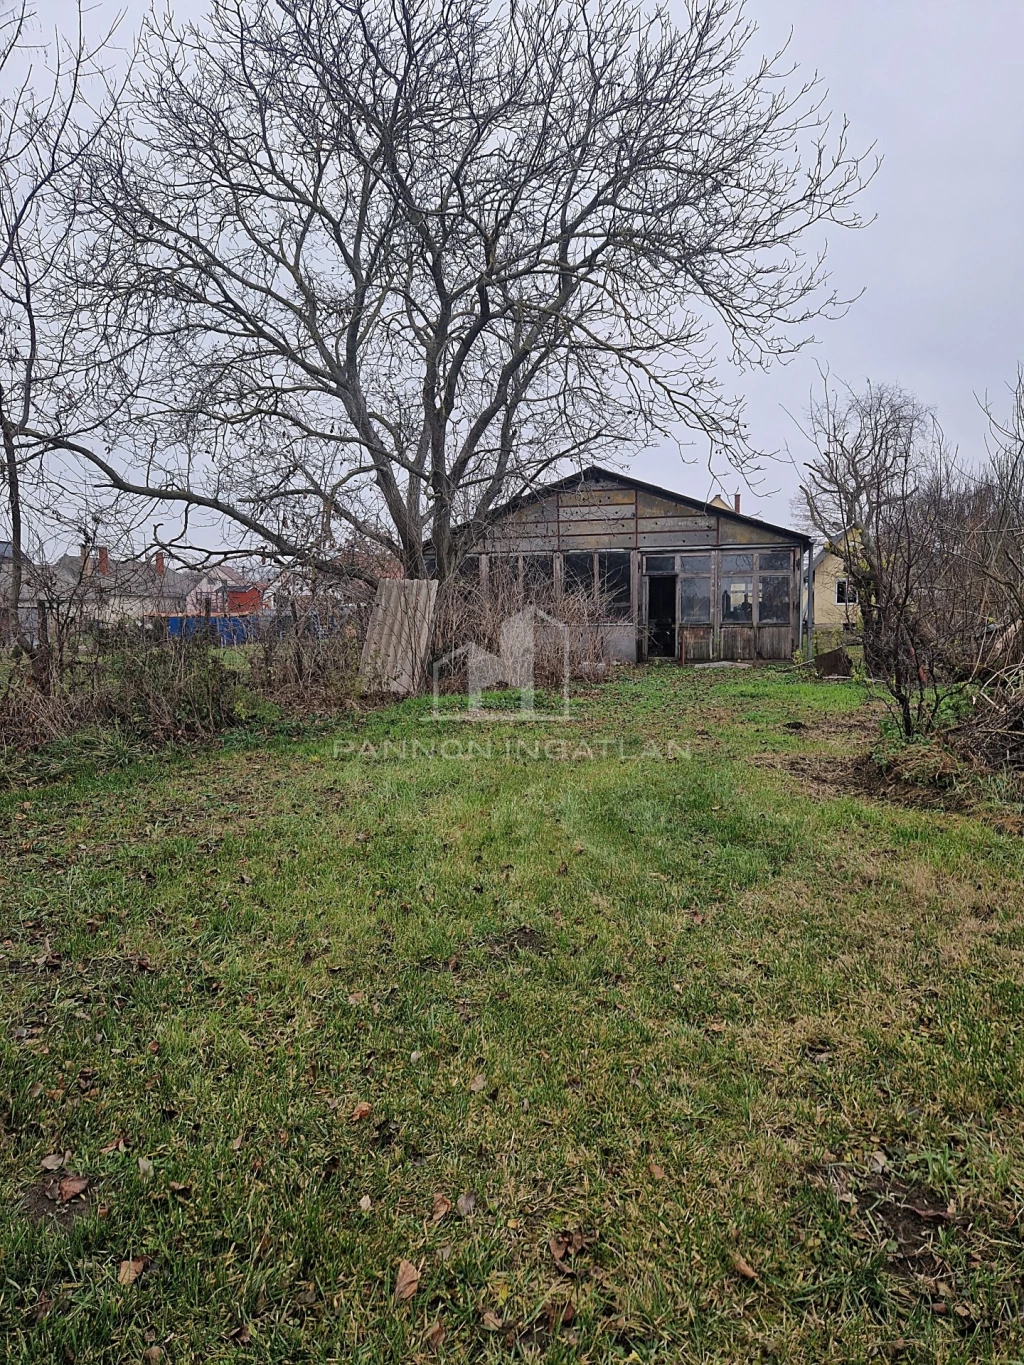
<point>878,490</point>
<point>48,370</point>
<point>393,260</point>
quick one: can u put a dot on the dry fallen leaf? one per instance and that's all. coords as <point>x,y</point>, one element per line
<point>657,1171</point>
<point>466,1204</point>
<point>716,1026</point>
<point>477,1083</point>
<point>492,1322</point>
<point>145,1168</point>
<point>71,1187</point>
<point>131,1270</point>
<point>435,1337</point>
<point>442,1205</point>
<point>118,1144</point>
<point>361,1111</point>
<point>743,1267</point>
<point>414,1057</point>
<point>878,1162</point>
<point>366,1203</point>
<point>357,997</point>
<point>236,1145</point>
<point>407,1282</point>
<point>55,1161</point>
<point>152,1354</point>
<point>564,1244</point>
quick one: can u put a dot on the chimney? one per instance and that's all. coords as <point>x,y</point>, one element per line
<point>104,560</point>
<point>158,563</point>
<point>735,502</point>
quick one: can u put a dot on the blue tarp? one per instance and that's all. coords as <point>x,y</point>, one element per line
<point>227,630</point>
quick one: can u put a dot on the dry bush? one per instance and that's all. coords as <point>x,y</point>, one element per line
<point>304,668</point>
<point>471,613</point>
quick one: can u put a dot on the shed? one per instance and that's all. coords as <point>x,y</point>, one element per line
<point>671,576</point>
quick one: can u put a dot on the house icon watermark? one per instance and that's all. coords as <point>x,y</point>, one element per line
<point>522,639</point>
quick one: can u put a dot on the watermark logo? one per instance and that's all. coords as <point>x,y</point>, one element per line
<point>535,749</point>
<point>522,639</point>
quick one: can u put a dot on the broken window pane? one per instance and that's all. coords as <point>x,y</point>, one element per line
<point>695,601</point>
<point>615,579</point>
<point>773,599</point>
<point>737,599</point>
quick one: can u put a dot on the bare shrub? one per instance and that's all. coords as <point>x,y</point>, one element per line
<point>567,637</point>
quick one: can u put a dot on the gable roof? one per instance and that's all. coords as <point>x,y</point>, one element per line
<point>594,474</point>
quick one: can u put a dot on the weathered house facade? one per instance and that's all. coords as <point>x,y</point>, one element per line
<point>670,576</point>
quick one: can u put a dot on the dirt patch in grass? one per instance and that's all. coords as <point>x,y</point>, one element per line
<point>525,939</point>
<point>909,1216</point>
<point>57,1200</point>
<point>827,775</point>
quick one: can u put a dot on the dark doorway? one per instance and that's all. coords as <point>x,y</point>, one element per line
<point>661,618</point>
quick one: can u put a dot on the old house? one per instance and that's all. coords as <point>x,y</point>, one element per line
<point>669,576</point>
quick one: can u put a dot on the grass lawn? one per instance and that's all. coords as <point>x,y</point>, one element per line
<point>660,1045</point>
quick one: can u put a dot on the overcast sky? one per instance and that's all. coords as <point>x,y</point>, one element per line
<point>936,85</point>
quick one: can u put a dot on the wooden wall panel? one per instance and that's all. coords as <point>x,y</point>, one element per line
<point>735,533</point>
<point>775,642</point>
<point>737,642</point>
<point>681,524</point>
<point>674,540</point>
<point>597,497</point>
<point>616,511</point>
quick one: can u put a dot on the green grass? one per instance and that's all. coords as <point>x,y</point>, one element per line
<point>708,995</point>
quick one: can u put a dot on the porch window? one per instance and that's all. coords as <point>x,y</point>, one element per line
<point>737,595</point>
<point>695,601</point>
<point>538,577</point>
<point>736,564</point>
<point>773,599</point>
<point>578,573</point>
<point>615,580</point>
<point>660,564</point>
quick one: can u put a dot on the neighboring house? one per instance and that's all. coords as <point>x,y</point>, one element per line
<point>835,597</point>
<point>111,591</point>
<point>92,586</point>
<point>669,576</point>
<point>223,591</point>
